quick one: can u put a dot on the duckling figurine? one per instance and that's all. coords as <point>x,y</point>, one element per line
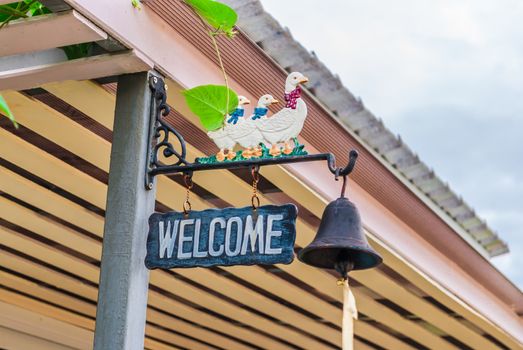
<point>239,112</point>
<point>261,111</point>
<point>288,122</point>
<point>221,136</point>
<point>245,131</point>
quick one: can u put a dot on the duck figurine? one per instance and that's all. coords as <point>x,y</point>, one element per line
<point>245,132</point>
<point>221,137</point>
<point>288,122</point>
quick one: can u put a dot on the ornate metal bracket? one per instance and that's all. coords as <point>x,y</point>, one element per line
<point>160,141</point>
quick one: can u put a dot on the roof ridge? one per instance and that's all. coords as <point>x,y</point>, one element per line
<point>279,43</point>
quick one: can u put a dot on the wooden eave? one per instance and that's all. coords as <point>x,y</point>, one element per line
<point>52,219</point>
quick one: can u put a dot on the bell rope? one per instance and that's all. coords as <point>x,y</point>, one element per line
<point>350,313</point>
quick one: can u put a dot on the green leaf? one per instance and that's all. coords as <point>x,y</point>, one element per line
<point>136,4</point>
<point>77,50</point>
<point>218,15</point>
<point>4,109</point>
<point>37,8</point>
<point>208,102</point>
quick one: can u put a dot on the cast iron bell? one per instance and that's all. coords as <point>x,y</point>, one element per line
<point>340,243</point>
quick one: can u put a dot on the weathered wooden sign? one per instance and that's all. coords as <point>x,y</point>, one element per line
<point>231,236</point>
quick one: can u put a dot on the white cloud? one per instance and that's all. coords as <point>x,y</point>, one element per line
<point>394,52</point>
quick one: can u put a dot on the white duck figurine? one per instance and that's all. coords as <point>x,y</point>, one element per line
<point>221,137</point>
<point>245,132</point>
<point>288,122</point>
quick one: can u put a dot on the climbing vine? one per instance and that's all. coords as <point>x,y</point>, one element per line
<point>212,103</point>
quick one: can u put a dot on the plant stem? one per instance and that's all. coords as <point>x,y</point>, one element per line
<point>217,48</point>
<point>6,21</point>
<point>11,11</point>
<point>220,62</point>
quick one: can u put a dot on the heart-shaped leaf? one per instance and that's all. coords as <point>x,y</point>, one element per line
<point>218,15</point>
<point>209,103</point>
<point>4,109</point>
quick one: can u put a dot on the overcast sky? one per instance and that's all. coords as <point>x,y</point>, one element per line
<point>448,77</point>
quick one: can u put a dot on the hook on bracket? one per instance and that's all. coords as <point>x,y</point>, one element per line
<point>344,172</point>
<point>338,171</point>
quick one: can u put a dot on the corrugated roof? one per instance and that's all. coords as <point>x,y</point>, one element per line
<point>278,42</point>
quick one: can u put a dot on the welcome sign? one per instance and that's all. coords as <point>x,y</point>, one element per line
<point>231,236</point>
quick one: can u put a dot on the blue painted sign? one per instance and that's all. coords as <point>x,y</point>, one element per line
<point>231,236</point>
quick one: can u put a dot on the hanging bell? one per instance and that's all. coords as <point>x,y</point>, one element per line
<point>340,243</point>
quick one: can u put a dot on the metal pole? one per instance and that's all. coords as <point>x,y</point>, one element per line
<point>124,279</point>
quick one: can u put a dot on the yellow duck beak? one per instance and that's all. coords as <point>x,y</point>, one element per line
<point>246,102</point>
<point>303,80</point>
<point>274,101</point>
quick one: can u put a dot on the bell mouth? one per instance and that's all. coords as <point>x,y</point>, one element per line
<point>328,257</point>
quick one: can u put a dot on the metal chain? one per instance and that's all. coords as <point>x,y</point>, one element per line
<point>187,178</point>
<point>255,200</point>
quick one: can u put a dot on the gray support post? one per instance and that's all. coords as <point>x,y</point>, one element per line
<point>124,279</point>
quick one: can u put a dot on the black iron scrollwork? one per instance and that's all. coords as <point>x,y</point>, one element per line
<point>161,131</point>
<point>175,161</point>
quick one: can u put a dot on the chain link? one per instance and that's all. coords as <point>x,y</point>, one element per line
<point>255,200</point>
<point>187,178</point>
